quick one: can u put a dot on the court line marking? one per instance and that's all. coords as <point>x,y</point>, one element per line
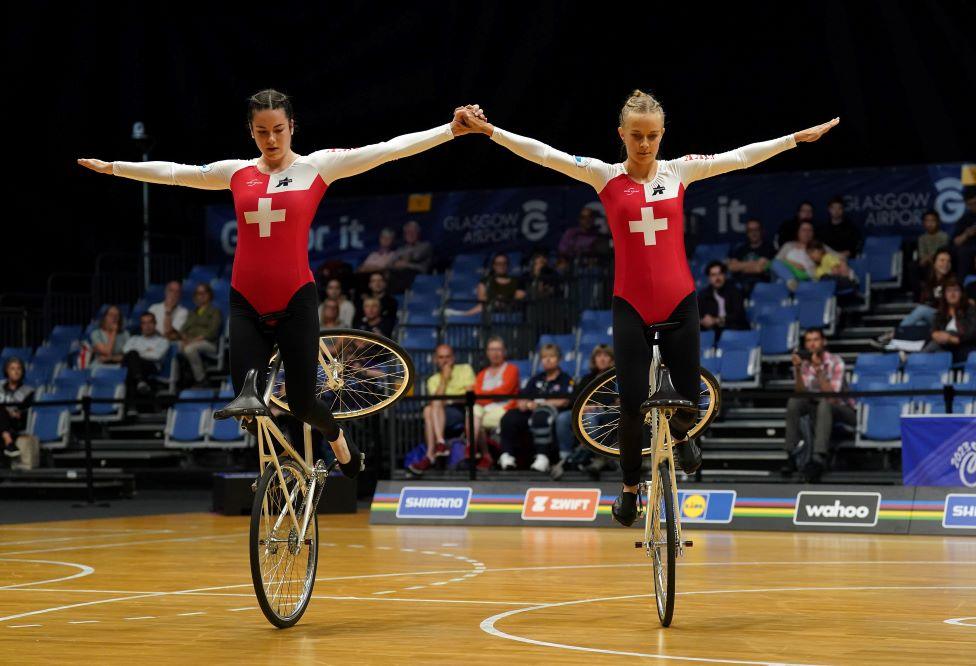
<point>119,530</point>
<point>83,621</point>
<point>192,613</point>
<point>141,617</point>
<point>85,571</point>
<point>22,626</point>
<point>125,543</point>
<point>960,621</point>
<point>488,624</point>
<point>87,535</point>
<point>246,608</point>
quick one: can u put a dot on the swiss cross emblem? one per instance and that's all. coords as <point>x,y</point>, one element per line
<point>264,216</point>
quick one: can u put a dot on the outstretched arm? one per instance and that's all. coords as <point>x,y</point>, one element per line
<point>697,167</point>
<point>214,176</point>
<point>336,163</point>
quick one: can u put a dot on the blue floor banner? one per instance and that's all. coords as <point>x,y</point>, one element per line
<point>938,450</point>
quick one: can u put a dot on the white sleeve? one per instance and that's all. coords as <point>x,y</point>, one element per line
<point>213,176</point>
<point>696,167</point>
<point>591,171</point>
<point>337,163</point>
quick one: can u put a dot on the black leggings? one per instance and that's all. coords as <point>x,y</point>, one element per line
<point>680,351</point>
<point>296,333</point>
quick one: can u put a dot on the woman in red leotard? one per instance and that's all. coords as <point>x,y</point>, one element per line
<point>273,296</point>
<point>644,201</point>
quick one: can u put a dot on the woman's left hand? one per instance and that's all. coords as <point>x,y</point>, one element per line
<point>815,132</point>
<point>469,119</point>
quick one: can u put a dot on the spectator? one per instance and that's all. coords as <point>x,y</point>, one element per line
<point>817,370</point>
<point>839,232</point>
<point>373,319</point>
<point>792,263</point>
<point>601,359</point>
<point>170,315</point>
<point>142,355</point>
<point>381,258</point>
<point>347,311</point>
<point>750,260</point>
<point>377,290</point>
<point>536,414</point>
<point>933,240</point>
<point>13,419</point>
<point>964,238</point>
<point>414,254</point>
<point>109,338</point>
<point>955,323</point>
<point>829,266</point>
<point>543,279</point>
<point>916,324</point>
<point>329,315</point>
<point>789,230</point>
<point>200,332</point>
<point>721,304</point>
<point>440,416</point>
<point>499,291</point>
<point>584,240</point>
<point>499,378</point>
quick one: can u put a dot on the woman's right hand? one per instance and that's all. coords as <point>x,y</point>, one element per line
<point>473,119</point>
<point>96,165</point>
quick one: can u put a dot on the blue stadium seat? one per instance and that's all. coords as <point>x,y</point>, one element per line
<point>876,364</point>
<point>770,292</point>
<point>937,362</point>
<point>883,257</point>
<point>54,352</point>
<point>422,338</point>
<point>707,342</point>
<point>154,293</point>
<point>423,301</point>
<point>590,340</point>
<point>463,285</point>
<point>25,354</point>
<point>473,263</point>
<point>64,335</point>
<point>187,423</point>
<point>108,372</point>
<point>228,431</point>
<point>860,268</point>
<point>422,318</point>
<point>200,274</point>
<point>524,366</point>
<point>876,379</point>
<point>596,321</point>
<point>880,420</point>
<point>732,339</point>
<point>816,312</point>
<point>778,338</point>
<point>40,373</point>
<point>816,289</point>
<point>773,313</point>
<point>570,367</point>
<point>427,284</point>
<point>713,364</point>
<point>566,343</point>
<point>50,425</point>
<point>707,252</point>
<point>107,388</point>
<point>740,357</point>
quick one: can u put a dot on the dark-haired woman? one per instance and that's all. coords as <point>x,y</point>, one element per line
<point>644,198</point>
<point>276,195</point>
<point>954,329</point>
<point>13,391</point>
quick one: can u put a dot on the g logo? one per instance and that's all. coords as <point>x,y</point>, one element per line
<point>948,202</point>
<point>535,226</point>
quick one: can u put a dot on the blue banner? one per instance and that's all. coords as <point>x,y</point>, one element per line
<point>938,450</point>
<point>881,201</point>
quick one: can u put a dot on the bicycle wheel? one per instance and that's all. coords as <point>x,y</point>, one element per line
<point>359,373</point>
<point>282,568</point>
<point>596,412</point>
<point>664,547</point>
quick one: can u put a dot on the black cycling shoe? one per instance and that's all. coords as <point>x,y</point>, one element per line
<point>688,456</point>
<point>356,463</point>
<point>624,509</point>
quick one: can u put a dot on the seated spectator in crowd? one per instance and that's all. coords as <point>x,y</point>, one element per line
<point>377,290</point>
<point>200,332</point>
<point>440,416</point>
<point>601,359</point>
<point>954,329</point>
<point>543,279</point>
<point>584,240</point>
<point>170,315</point>
<point>373,319</point>
<point>414,254</point>
<point>108,340</point>
<point>536,414</point>
<point>382,258</point>
<point>839,232</point>
<point>815,370</point>
<point>829,266</point>
<point>13,419</point>
<point>789,230</point>
<point>499,378</point>
<point>749,261</point>
<point>721,304</point>
<point>142,356</point>
<point>964,235</point>
<point>329,315</point>
<point>915,326</point>
<point>932,239</point>
<point>347,311</point>
<point>792,263</point>
<point>499,291</point>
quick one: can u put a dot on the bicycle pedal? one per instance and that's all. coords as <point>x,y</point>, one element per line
<point>687,544</point>
<point>638,544</point>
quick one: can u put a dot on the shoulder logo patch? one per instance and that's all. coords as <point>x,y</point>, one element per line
<point>582,161</point>
<point>205,168</point>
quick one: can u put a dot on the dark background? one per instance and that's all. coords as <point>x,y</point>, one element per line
<point>901,75</point>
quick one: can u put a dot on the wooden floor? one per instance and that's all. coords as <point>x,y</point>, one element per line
<point>177,588</point>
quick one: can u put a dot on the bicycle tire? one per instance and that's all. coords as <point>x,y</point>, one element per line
<point>664,580</point>
<point>346,402</point>
<point>602,438</point>
<point>272,607</point>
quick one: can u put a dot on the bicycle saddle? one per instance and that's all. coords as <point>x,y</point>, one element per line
<point>247,403</point>
<point>650,332</point>
<point>665,395</point>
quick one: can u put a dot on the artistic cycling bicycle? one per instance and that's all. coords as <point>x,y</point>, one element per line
<point>596,414</point>
<point>359,373</point>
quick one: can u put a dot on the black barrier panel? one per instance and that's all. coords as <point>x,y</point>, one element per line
<point>821,508</point>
